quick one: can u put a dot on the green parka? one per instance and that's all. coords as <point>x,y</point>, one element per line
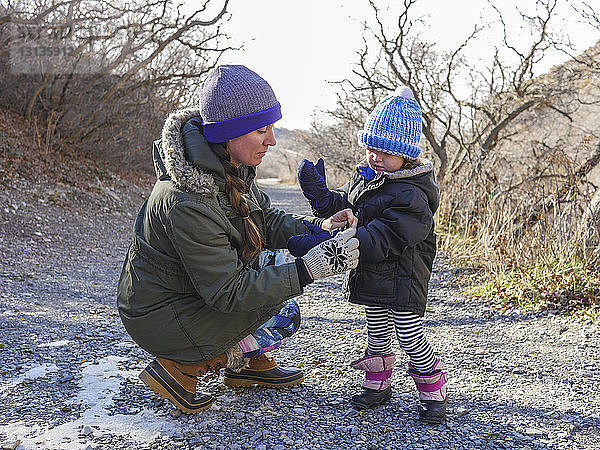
<point>184,293</point>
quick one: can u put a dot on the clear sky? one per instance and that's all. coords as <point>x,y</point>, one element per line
<point>299,46</point>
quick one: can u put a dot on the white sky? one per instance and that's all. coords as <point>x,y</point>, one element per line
<point>298,46</point>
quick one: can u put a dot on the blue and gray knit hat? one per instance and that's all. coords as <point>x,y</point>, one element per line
<point>234,101</point>
<point>395,125</point>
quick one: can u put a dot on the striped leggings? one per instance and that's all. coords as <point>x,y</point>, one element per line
<point>409,329</point>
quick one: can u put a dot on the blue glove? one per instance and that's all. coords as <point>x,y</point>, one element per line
<point>312,182</point>
<point>300,244</point>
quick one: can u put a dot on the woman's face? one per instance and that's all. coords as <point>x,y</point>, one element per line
<point>383,162</point>
<point>250,148</point>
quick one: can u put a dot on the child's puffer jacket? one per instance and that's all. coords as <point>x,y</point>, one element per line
<point>396,233</point>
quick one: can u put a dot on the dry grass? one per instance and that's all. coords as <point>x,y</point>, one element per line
<point>524,255</point>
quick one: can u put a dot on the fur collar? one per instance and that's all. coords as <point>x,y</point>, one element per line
<point>186,175</point>
<point>419,167</point>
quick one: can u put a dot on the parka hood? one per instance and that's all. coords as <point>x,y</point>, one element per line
<point>420,174</point>
<point>198,171</point>
<point>419,166</point>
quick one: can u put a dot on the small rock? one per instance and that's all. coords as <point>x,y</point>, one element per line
<point>175,413</point>
<point>536,432</point>
<point>86,431</point>
<point>258,435</point>
<point>459,412</point>
<point>11,445</point>
<point>196,440</point>
<point>65,378</point>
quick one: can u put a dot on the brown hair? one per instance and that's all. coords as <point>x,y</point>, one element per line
<point>234,188</point>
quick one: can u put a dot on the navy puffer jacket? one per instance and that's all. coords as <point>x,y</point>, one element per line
<point>396,233</point>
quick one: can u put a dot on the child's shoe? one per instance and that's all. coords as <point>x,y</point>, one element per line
<point>432,393</point>
<point>377,388</point>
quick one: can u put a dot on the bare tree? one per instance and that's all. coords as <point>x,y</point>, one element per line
<point>128,63</point>
<point>516,151</point>
<point>456,127</point>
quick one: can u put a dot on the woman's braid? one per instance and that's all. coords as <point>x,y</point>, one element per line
<point>234,188</point>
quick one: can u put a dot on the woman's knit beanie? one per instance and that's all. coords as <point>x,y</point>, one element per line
<point>394,126</point>
<point>234,101</point>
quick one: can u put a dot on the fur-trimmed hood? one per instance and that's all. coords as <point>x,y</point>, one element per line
<point>195,168</point>
<point>418,167</point>
<point>420,173</point>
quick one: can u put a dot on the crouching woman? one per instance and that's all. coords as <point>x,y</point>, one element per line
<point>198,289</point>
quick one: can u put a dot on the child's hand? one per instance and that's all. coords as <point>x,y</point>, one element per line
<point>313,184</point>
<point>340,219</point>
<point>300,244</point>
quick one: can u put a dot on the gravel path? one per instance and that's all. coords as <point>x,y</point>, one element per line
<point>68,370</point>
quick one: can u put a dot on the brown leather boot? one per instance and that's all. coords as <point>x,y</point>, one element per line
<point>177,382</point>
<point>263,371</point>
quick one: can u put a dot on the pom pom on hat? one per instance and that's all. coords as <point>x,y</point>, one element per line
<point>395,125</point>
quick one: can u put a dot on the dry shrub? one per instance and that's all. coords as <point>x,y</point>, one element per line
<point>535,239</point>
<point>124,66</point>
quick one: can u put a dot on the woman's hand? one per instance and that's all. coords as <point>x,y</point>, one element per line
<point>333,256</point>
<point>340,219</point>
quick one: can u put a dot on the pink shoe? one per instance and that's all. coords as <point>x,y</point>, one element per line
<point>432,393</point>
<point>377,388</point>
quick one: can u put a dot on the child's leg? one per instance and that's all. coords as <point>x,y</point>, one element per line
<point>379,330</point>
<point>378,360</point>
<point>409,329</point>
<point>424,367</point>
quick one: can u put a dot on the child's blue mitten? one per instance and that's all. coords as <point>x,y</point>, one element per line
<point>312,182</point>
<point>300,244</point>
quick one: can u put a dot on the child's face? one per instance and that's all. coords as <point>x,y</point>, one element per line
<point>383,162</point>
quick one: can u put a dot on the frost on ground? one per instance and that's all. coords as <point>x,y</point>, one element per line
<point>96,388</point>
<point>68,370</point>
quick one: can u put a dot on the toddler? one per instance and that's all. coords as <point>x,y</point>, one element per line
<point>394,195</point>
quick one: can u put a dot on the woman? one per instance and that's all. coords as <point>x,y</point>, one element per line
<point>194,290</point>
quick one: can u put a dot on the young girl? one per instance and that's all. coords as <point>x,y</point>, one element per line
<point>394,195</point>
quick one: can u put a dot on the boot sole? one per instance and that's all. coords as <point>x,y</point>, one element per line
<point>432,422</point>
<point>162,389</point>
<point>257,381</point>
<point>431,419</point>
<point>363,407</point>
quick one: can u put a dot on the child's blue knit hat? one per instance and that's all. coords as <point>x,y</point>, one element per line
<point>234,101</point>
<point>395,125</point>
